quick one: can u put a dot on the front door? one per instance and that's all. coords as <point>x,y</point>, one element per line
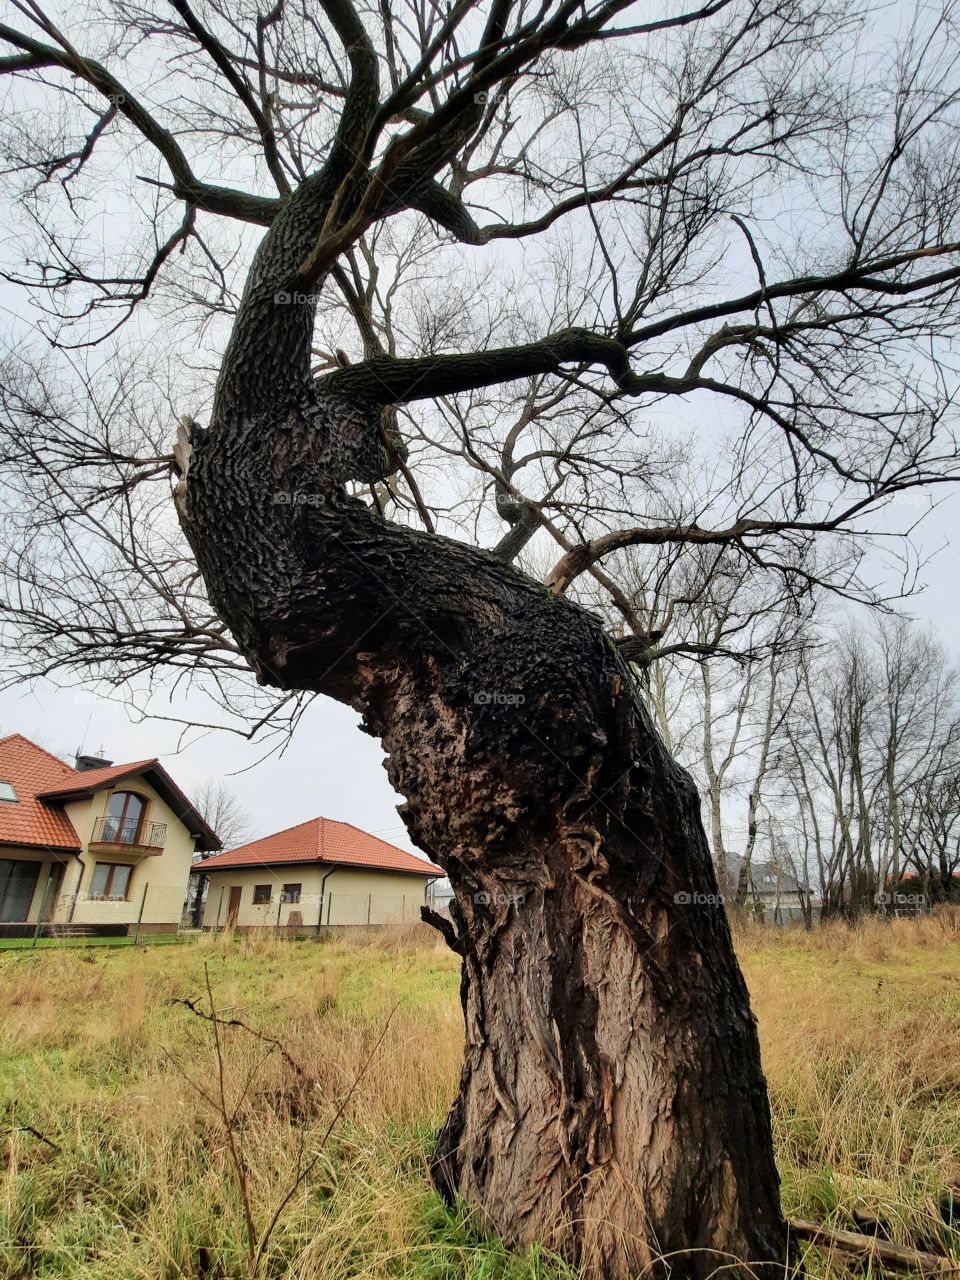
<point>234,908</point>
<point>18,883</point>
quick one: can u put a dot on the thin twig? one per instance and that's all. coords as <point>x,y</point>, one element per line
<point>243,1026</point>
<point>305,1172</point>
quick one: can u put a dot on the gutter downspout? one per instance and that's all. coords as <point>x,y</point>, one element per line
<point>73,905</point>
<point>203,878</point>
<point>323,886</point>
<point>55,856</point>
<point>79,856</point>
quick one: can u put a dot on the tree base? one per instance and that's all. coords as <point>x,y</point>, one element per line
<point>612,1104</point>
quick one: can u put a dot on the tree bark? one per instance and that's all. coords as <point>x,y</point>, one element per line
<point>612,1102</point>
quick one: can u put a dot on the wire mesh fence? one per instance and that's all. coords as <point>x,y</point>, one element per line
<point>144,913</point>
<point>307,913</point>
<point>149,914</point>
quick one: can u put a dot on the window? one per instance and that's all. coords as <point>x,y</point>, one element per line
<point>110,881</point>
<point>261,894</point>
<point>7,792</point>
<point>18,883</point>
<point>125,811</point>
<point>291,892</point>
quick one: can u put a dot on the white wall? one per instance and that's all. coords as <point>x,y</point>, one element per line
<point>162,875</point>
<point>351,896</point>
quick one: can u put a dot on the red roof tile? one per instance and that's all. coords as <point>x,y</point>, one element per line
<point>30,821</point>
<point>322,840</point>
<point>82,781</point>
<point>44,784</point>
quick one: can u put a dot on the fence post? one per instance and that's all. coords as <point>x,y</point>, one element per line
<point>279,909</point>
<point>143,903</point>
<point>43,909</point>
<point>403,909</point>
<point>216,926</point>
<point>329,908</point>
<point>369,908</point>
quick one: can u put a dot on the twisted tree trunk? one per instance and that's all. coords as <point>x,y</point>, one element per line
<point>612,1102</point>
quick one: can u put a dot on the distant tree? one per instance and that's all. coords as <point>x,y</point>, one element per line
<point>718,690</point>
<point>222,810</point>
<point>870,745</point>
<point>230,820</point>
<point>931,831</point>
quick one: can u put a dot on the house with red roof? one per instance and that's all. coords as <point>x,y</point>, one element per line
<point>318,874</point>
<point>99,847</point>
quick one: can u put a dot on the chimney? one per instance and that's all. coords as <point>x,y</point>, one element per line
<point>85,763</point>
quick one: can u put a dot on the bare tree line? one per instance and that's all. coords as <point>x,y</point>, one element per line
<point>870,759</point>
<point>831,761</point>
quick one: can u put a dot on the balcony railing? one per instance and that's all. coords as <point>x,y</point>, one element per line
<point>137,835</point>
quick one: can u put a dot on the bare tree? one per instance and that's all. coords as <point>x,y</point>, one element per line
<point>233,824</point>
<point>931,829</point>
<point>745,711</point>
<point>917,733</point>
<point>222,810</point>
<point>869,748</point>
<point>596,203</point>
<point>721,688</point>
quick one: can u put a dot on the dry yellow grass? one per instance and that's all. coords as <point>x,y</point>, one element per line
<point>117,1166</point>
<point>860,1033</point>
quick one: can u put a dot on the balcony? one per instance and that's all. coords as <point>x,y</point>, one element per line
<point>128,837</point>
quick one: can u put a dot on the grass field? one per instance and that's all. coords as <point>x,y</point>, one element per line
<point>117,1163</point>
<point>60,944</point>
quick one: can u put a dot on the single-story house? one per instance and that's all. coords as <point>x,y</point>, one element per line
<point>316,874</point>
<point>99,847</point>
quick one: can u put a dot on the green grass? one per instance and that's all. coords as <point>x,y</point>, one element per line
<point>116,1167</point>
<point>60,944</point>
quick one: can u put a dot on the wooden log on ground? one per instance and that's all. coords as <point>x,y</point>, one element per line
<point>895,1257</point>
